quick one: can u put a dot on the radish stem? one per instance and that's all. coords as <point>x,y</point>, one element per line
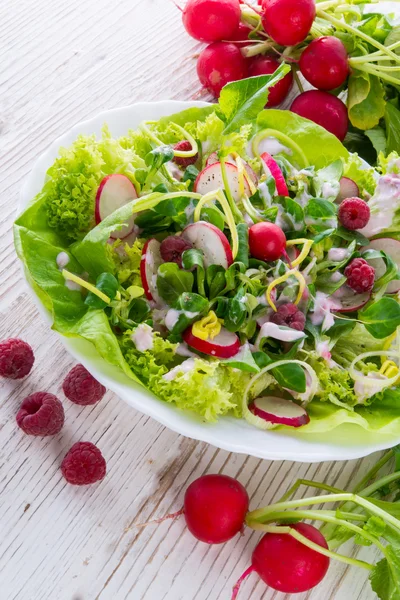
<point>379,74</point>
<point>239,582</point>
<point>302,539</point>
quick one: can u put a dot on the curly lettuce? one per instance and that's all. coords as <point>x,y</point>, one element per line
<point>127,261</point>
<point>357,170</point>
<point>209,388</point>
<point>73,180</point>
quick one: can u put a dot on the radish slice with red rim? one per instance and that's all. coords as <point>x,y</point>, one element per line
<point>212,241</point>
<point>349,300</point>
<point>279,411</point>
<point>225,345</point>
<point>348,189</point>
<point>273,167</point>
<point>151,260</point>
<point>115,191</point>
<point>210,179</point>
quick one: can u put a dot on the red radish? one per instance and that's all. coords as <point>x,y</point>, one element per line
<point>349,300</point>
<point>151,260</point>
<point>210,179</point>
<point>213,158</point>
<point>287,565</point>
<point>224,345</point>
<point>267,241</point>
<point>215,508</point>
<point>324,63</point>
<point>292,252</point>
<point>211,20</point>
<point>212,241</point>
<point>274,169</point>
<point>266,65</point>
<point>115,191</point>
<point>288,22</point>
<point>348,189</point>
<point>219,64</point>
<point>241,35</point>
<point>392,249</point>
<point>279,411</point>
<point>324,109</point>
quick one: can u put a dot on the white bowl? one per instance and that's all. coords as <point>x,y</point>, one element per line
<point>344,442</point>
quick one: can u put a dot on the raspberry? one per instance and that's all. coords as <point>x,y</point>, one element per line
<point>289,316</point>
<point>16,359</point>
<point>354,213</point>
<point>83,464</point>
<point>41,414</point>
<point>360,275</point>
<point>172,248</point>
<point>82,388</point>
<point>184,146</point>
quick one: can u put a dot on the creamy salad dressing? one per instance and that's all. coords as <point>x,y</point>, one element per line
<point>71,285</point>
<point>172,317</point>
<point>321,314</point>
<point>370,385</point>
<point>183,350</point>
<point>143,337</point>
<point>338,254</point>
<point>336,276</point>
<point>273,146</point>
<point>187,366</point>
<point>283,334</point>
<point>62,260</point>
<point>330,189</point>
<point>383,205</point>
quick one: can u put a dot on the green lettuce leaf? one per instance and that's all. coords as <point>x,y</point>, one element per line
<point>365,177</point>
<point>366,100</point>
<point>305,133</point>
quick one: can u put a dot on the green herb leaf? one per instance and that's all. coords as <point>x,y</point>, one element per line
<point>243,251</point>
<point>107,284</point>
<point>158,157</point>
<point>139,310</point>
<point>320,212</point>
<point>172,282</point>
<point>192,307</point>
<point>381,318</point>
<point>291,377</point>
<point>241,101</point>
<point>213,216</point>
<point>385,578</point>
<point>366,100</point>
<point>237,311</point>
<point>194,259</point>
<point>378,138</point>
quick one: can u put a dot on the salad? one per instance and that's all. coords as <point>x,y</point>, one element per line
<point>232,260</point>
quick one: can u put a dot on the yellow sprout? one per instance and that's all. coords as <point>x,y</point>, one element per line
<point>389,369</point>
<point>285,277</point>
<point>208,327</point>
<point>307,244</point>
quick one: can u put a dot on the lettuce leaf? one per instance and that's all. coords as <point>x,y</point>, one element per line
<point>305,133</point>
<point>127,261</point>
<point>73,180</point>
<point>365,178</point>
<point>209,389</point>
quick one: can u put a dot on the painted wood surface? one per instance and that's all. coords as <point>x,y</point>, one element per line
<point>61,62</point>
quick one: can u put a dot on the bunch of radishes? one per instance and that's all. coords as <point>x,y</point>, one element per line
<point>248,40</point>
<point>216,509</point>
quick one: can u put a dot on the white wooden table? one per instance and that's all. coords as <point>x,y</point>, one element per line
<point>61,62</point>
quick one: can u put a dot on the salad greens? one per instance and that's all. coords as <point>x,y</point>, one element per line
<point>194,303</point>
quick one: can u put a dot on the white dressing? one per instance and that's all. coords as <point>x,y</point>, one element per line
<point>321,315</point>
<point>369,385</point>
<point>283,334</point>
<point>383,205</point>
<point>143,337</point>
<point>62,260</point>
<point>337,254</point>
<point>187,366</point>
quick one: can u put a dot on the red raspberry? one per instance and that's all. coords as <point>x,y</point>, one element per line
<point>354,213</point>
<point>41,414</point>
<point>289,316</point>
<point>83,464</point>
<point>172,248</point>
<point>16,359</point>
<point>82,388</point>
<point>184,146</point>
<point>360,275</point>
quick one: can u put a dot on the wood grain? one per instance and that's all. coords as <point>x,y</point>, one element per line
<point>62,62</point>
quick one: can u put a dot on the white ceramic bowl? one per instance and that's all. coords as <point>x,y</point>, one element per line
<point>231,434</point>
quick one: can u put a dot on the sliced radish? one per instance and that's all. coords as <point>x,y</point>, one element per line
<point>349,300</point>
<point>210,179</point>
<point>115,191</point>
<point>212,241</point>
<point>292,252</point>
<point>392,249</point>
<point>213,158</point>
<point>279,411</point>
<point>225,345</point>
<point>348,189</point>
<point>151,260</point>
<point>273,167</point>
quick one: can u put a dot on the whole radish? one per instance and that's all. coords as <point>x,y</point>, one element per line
<point>266,65</point>
<point>211,20</point>
<point>288,22</point>
<point>287,565</point>
<point>324,63</point>
<point>219,64</point>
<point>324,109</point>
<point>215,508</point>
<point>241,35</point>
<point>266,241</point>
